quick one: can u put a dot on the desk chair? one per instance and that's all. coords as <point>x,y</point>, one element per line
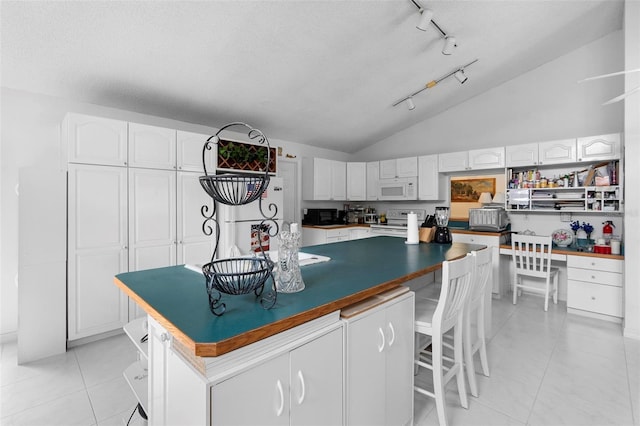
<point>432,321</point>
<point>532,258</point>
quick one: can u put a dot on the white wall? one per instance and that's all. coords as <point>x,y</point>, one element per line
<point>31,137</point>
<point>544,104</point>
<point>632,171</point>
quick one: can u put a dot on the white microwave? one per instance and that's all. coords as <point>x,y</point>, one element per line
<point>398,189</point>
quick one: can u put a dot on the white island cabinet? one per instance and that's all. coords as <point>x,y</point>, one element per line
<point>292,378</point>
<point>379,363</point>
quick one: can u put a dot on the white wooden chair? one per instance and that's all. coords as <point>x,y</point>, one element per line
<point>475,313</point>
<point>531,256</point>
<point>432,321</point>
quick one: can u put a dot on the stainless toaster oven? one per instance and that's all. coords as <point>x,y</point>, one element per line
<point>488,219</point>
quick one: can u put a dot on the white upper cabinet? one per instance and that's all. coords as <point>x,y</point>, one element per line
<point>356,181</point>
<point>557,152</point>
<point>152,147</point>
<point>453,161</point>
<point>95,140</point>
<point>324,179</point>
<point>489,158</point>
<point>604,147</point>
<point>373,175</point>
<point>428,178</point>
<point>399,167</point>
<point>189,152</point>
<point>522,155</point>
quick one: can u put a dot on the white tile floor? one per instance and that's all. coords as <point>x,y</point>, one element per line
<point>547,368</point>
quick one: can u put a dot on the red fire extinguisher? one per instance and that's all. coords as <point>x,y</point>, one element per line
<point>607,230</point>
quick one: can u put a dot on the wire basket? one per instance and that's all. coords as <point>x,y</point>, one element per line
<point>240,275</point>
<point>233,189</point>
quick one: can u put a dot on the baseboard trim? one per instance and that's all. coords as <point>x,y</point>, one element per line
<point>95,338</point>
<point>9,337</point>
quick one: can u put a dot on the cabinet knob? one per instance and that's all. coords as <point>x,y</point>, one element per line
<point>124,247</point>
<point>164,337</point>
<point>593,298</point>
<point>593,277</point>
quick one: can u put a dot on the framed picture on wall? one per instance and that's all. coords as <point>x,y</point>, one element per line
<point>469,190</point>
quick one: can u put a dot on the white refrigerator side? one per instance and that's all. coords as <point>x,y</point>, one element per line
<point>239,224</point>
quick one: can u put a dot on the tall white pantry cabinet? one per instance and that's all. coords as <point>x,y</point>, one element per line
<point>134,203</point>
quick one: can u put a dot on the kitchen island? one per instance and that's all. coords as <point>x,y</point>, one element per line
<point>194,356</point>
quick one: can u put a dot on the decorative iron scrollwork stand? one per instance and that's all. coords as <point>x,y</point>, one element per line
<point>238,275</point>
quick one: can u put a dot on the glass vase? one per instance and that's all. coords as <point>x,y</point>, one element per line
<point>288,276</point>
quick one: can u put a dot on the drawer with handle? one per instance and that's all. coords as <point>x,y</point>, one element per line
<point>597,298</point>
<point>598,263</point>
<point>595,276</point>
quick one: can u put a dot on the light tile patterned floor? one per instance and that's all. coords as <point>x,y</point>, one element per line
<point>547,368</point>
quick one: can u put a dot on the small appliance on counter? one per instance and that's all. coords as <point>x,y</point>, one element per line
<point>489,218</point>
<point>320,217</point>
<point>442,235</point>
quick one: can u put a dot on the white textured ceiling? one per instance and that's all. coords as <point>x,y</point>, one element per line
<point>323,73</point>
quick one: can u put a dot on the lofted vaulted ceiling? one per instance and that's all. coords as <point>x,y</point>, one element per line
<point>323,73</point>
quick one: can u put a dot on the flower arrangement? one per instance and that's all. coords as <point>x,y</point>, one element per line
<point>586,227</point>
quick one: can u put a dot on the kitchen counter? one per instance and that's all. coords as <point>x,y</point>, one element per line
<point>176,296</point>
<point>337,226</point>
<point>455,230</point>
<point>559,253</point>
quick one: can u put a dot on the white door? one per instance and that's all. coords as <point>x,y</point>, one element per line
<point>190,148</point>
<point>97,244</point>
<point>152,219</point>
<point>316,381</point>
<point>95,140</point>
<point>490,158</point>
<point>407,167</point>
<point>259,396</point>
<point>521,155</point>
<point>399,362</point>
<point>338,180</point>
<point>373,175</point>
<point>605,147</point>
<point>152,147</point>
<point>453,161</point>
<point>194,247</point>
<point>356,181</point>
<point>557,152</point>
<point>366,370</point>
<point>428,178</point>
<point>322,179</point>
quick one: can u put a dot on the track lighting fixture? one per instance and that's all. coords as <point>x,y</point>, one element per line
<point>458,73</point>
<point>426,18</point>
<point>410,104</point>
<point>460,76</point>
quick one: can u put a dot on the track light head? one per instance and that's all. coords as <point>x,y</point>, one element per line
<point>425,19</point>
<point>460,76</point>
<point>449,45</point>
<point>410,104</point>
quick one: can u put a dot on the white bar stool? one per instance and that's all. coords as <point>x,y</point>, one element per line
<point>432,321</point>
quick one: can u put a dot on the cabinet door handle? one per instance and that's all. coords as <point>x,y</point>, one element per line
<point>280,391</point>
<point>302,388</point>
<point>393,335</point>
<point>164,337</point>
<point>593,277</point>
<point>381,346</point>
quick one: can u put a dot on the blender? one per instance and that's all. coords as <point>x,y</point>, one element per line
<point>442,235</point>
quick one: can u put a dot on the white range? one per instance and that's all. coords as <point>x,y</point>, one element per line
<point>396,225</point>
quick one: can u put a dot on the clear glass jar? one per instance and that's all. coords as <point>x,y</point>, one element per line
<point>287,271</point>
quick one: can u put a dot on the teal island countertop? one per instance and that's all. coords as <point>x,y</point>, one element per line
<point>176,296</point>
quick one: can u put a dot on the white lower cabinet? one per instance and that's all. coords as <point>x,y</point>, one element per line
<point>302,387</point>
<point>379,364</point>
<point>313,236</point>
<point>594,287</point>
